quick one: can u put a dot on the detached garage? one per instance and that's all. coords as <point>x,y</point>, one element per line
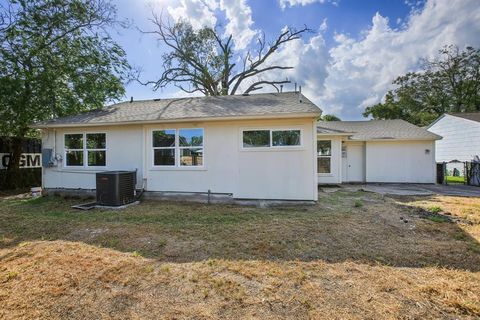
<point>389,151</point>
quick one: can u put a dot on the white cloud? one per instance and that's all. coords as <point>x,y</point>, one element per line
<point>309,59</point>
<point>199,13</point>
<point>292,3</point>
<point>361,71</point>
<point>239,16</point>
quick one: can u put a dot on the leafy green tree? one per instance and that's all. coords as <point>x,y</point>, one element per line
<point>204,61</point>
<point>450,83</point>
<point>329,117</point>
<point>56,59</point>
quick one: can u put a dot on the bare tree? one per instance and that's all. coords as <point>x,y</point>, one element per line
<point>204,61</point>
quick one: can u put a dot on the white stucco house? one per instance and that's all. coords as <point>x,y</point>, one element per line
<point>386,151</point>
<point>262,146</point>
<point>461,137</point>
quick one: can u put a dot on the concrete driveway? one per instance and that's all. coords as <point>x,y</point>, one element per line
<point>422,189</point>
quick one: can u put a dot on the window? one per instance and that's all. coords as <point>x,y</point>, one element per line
<point>96,149</point>
<point>183,144</point>
<point>256,138</point>
<point>270,138</point>
<point>74,149</point>
<point>286,138</point>
<point>85,149</point>
<point>164,147</point>
<point>324,156</point>
<point>191,147</point>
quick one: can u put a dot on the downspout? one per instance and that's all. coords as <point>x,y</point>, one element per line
<point>315,161</point>
<point>144,155</point>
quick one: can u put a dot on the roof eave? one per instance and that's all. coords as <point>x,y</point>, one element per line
<point>336,134</point>
<point>400,139</point>
<point>202,119</point>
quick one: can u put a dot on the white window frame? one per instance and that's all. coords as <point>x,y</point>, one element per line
<point>329,157</point>
<point>271,147</point>
<point>84,150</point>
<point>165,148</point>
<point>193,147</point>
<point>177,148</point>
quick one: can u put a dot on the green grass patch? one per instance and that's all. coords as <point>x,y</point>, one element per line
<point>452,179</point>
<point>437,218</point>
<point>435,209</point>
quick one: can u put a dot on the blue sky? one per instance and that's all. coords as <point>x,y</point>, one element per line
<point>348,63</point>
<point>347,17</point>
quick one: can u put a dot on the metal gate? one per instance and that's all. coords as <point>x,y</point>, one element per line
<point>471,173</point>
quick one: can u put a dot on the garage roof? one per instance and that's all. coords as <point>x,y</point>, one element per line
<point>474,116</point>
<point>266,105</point>
<point>376,130</point>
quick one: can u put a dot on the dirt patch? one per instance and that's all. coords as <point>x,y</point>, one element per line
<point>87,282</point>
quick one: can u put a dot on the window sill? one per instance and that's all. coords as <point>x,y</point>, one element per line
<point>325,174</point>
<point>80,169</point>
<point>276,149</point>
<point>178,169</point>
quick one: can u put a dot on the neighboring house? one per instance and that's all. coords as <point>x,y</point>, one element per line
<point>461,136</point>
<point>375,151</point>
<point>260,146</point>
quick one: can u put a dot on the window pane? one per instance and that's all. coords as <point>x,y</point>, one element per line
<point>256,138</point>
<point>74,141</point>
<point>96,141</point>
<point>74,158</point>
<point>323,165</point>
<point>286,138</point>
<point>190,137</point>
<point>164,157</point>
<point>324,147</point>
<point>96,158</point>
<point>164,138</point>
<point>191,157</point>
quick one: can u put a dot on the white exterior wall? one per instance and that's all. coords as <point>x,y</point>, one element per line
<point>288,173</point>
<point>246,173</point>
<point>461,139</point>
<point>124,152</point>
<point>400,161</point>
<point>335,176</point>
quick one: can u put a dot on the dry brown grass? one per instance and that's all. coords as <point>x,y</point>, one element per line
<point>467,209</point>
<point>50,280</point>
<point>352,256</point>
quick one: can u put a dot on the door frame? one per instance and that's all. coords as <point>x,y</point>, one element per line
<point>345,165</point>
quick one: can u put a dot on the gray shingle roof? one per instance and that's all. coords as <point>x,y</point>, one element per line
<point>377,130</point>
<point>257,105</point>
<point>474,116</point>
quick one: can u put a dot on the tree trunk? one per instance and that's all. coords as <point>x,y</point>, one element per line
<point>12,178</point>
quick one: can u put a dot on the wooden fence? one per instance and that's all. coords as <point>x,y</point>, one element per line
<point>30,173</point>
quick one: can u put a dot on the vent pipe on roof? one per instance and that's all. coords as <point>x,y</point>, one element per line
<point>281,88</point>
<point>295,87</point>
<point>300,94</point>
<point>131,99</point>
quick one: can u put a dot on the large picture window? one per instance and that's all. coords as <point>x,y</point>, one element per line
<point>85,149</point>
<point>186,145</point>
<point>324,156</point>
<point>270,138</point>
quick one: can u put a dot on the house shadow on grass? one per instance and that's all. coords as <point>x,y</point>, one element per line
<point>343,226</point>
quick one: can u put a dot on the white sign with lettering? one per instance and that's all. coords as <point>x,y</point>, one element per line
<point>27,160</point>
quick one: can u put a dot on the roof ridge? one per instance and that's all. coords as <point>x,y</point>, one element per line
<point>204,97</point>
